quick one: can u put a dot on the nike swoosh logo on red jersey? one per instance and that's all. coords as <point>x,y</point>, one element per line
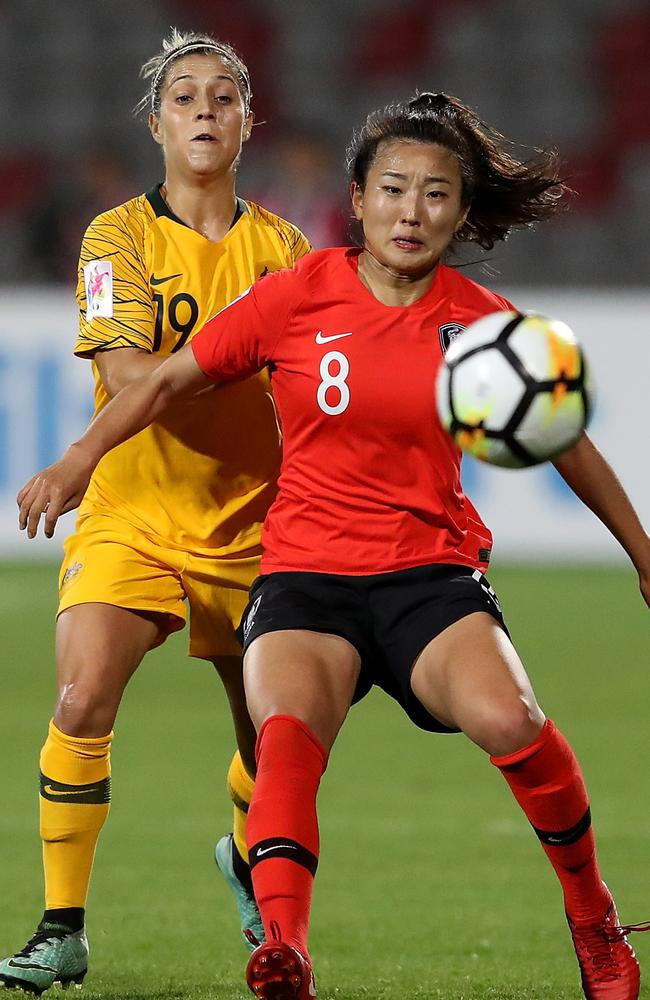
<point>322,339</point>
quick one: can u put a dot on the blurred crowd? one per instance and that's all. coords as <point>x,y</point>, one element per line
<point>571,74</point>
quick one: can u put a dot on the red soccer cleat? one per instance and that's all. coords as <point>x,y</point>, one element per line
<point>608,964</point>
<point>277,971</point>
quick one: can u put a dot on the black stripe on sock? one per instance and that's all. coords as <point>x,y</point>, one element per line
<point>236,800</point>
<point>564,838</point>
<point>241,869</point>
<point>96,793</point>
<point>282,847</point>
<point>70,917</point>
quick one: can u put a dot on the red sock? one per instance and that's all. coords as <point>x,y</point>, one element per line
<point>282,826</point>
<point>547,782</point>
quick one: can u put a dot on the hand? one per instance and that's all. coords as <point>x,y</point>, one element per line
<point>54,491</point>
<point>642,564</point>
<point>644,585</point>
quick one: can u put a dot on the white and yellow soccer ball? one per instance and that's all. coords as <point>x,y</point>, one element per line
<point>514,389</point>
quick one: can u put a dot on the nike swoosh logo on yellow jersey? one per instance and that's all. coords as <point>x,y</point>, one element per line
<point>322,339</point>
<point>161,281</point>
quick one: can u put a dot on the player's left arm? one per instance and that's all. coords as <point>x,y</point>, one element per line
<point>594,481</point>
<point>61,486</point>
<point>235,343</point>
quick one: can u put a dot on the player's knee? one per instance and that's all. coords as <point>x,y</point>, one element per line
<point>84,712</point>
<point>505,727</point>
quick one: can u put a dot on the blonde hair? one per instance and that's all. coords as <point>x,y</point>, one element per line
<point>179,44</point>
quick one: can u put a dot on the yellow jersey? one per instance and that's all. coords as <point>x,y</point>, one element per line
<point>203,477</point>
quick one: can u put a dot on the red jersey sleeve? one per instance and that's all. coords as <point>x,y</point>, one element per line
<point>241,338</point>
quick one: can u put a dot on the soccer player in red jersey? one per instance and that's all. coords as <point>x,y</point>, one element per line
<point>373,565</point>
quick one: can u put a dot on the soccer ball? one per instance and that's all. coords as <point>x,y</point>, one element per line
<point>514,389</point>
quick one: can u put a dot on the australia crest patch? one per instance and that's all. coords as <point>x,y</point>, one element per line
<point>70,573</point>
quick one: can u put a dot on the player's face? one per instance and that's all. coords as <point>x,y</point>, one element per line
<point>411,205</point>
<point>202,121</point>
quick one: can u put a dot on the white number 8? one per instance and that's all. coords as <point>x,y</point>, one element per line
<point>337,381</point>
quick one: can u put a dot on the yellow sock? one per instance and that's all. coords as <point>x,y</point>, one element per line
<point>75,799</point>
<point>240,789</point>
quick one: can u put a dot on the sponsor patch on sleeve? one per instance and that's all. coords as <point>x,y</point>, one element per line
<point>98,276</point>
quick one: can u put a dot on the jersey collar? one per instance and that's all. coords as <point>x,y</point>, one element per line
<point>161,208</point>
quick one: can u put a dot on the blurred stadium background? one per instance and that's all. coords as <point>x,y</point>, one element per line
<point>573,74</point>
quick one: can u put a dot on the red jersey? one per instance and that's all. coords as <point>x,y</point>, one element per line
<point>370,480</point>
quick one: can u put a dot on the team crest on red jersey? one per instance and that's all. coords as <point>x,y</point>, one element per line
<point>448,333</point>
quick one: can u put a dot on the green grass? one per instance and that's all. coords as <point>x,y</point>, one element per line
<point>430,884</point>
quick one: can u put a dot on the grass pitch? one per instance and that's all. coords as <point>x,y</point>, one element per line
<point>431,883</point>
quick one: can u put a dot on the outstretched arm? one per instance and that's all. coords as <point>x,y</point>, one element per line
<point>592,479</point>
<point>123,365</point>
<point>61,486</point>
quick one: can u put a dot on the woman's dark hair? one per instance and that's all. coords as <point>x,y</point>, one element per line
<point>502,191</point>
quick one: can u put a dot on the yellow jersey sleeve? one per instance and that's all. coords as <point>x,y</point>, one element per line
<point>293,244</point>
<point>297,243</point>
<point>115,305</point>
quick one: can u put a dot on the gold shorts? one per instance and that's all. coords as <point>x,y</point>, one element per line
<point>108,561</point>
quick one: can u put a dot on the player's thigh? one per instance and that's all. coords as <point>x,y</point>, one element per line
<point>217,593</point>
<point>309,675</point>
<point>98,647</point>
<point>470,677</point>
<point>119,597</point>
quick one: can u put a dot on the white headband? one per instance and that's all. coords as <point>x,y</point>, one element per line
<point>215,47</point>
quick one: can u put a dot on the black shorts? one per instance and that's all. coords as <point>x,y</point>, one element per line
<point>388,617</point>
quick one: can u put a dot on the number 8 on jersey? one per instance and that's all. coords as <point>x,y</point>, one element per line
<point>334,381</point>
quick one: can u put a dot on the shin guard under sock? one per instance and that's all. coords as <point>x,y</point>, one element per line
<point>74,803</point>
<point>282,828</point>
<point>547,782</point>
<point>240,789</point>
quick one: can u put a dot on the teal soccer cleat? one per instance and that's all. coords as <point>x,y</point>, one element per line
<point>249,916</point>
<point>53,955</point>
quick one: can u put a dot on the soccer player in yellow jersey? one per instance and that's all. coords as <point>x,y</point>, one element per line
<point>173,517</point>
